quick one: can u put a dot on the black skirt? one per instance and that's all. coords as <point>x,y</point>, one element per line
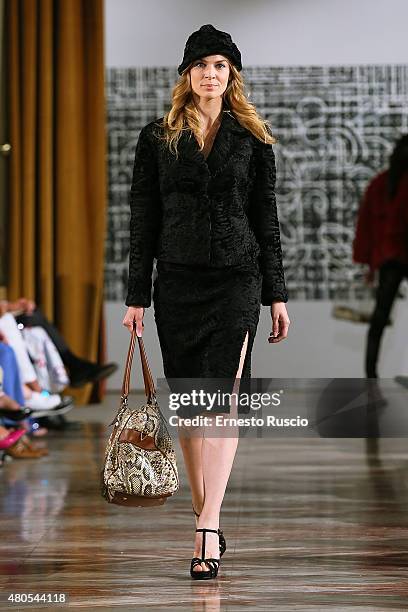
<point>202,315</point>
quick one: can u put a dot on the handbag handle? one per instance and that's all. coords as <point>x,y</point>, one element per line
<point>147,375</point>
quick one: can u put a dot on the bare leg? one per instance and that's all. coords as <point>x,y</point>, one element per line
<point>191,446</point>
<point>218,455</point>
<point>191,442</point>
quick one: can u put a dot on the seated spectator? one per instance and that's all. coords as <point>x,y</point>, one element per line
<point>47,362</point>
<point>81,371</point>
<point>34,395</point>
<point>10,386</point>
<point>9,437</point>
<point>12,397</point>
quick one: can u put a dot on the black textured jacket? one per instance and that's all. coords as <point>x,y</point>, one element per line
<point>216,212</point>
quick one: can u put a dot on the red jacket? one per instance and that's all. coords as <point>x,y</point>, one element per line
<point>382,224</point>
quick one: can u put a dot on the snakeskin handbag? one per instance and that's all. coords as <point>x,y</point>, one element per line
<point>140,467</point>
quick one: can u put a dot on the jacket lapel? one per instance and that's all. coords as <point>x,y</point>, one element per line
<point>226,141</point>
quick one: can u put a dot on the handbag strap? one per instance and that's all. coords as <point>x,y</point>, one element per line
<point>147,375</point>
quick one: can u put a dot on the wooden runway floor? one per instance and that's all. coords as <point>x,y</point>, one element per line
<point>310,524</point>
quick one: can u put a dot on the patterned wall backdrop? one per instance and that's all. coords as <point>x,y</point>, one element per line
<point>335,125</point>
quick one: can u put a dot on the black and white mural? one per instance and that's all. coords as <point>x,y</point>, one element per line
<point>335,125</point>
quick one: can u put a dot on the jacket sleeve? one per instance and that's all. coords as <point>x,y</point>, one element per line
<point>145,217</point>
<point>263,217</point>
<point>362,243</point>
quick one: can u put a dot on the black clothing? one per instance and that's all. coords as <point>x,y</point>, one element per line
<point>210,41</point>
<point>202,315</point>
<point>391,273</point>
<point>216,212</point>
<point>212,223</point>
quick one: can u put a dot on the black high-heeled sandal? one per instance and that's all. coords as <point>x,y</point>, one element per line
<point>212,563</point>
<point>223,543</point>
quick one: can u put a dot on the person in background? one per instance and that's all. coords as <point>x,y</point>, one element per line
<point>14,441</point>
<point>81,371</point>
<point>47,362</point>
<point>19,401</point>
<point>14,388</point>
<point>381,242</point>
<point>35,396</point>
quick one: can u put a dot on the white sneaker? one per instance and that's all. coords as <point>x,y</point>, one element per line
<point>43,402</point>
<point>67,403</point>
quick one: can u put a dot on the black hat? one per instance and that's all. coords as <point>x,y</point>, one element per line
<point>208,41</point>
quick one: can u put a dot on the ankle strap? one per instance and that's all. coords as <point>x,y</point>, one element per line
<point>204,529</point>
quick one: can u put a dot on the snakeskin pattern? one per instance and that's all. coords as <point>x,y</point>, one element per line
<point>133,470</point>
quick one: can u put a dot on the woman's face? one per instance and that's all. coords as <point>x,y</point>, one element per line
<point>209,76</point>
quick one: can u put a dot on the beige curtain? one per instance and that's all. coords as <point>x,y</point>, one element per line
<point>57,203</point>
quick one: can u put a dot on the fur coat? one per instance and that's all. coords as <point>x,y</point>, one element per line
<point>214,212</point>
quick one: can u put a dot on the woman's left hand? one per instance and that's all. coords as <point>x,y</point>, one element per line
<point>280,322</point>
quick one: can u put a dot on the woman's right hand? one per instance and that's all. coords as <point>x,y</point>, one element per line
<point>134,313</point>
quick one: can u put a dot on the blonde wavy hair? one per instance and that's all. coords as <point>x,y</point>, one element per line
<point>184,114</point>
